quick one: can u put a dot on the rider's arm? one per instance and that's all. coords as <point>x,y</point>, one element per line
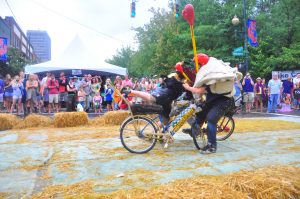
<point>200,90</point>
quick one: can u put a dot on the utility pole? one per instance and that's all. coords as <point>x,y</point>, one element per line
<point>245,37</point>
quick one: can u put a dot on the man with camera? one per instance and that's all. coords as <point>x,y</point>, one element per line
<point>248,88</point>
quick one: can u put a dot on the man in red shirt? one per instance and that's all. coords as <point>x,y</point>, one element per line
<point>53,86</point>
<point>63,94</point>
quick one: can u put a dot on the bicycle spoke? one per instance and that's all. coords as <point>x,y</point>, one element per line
<point>225,128</point>
<point>138,135</point>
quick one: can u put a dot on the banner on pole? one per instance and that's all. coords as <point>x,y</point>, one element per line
<point>3,48</point>
<point>252,34</point>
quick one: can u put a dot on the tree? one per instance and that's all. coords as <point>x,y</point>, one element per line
<point>166,40</point>
<point>123,58</point>
<point>15,63</point>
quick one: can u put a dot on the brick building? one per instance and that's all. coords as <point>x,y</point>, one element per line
<point>16,37</point>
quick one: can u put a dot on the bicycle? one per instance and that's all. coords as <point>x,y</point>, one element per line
<point>139,133</point>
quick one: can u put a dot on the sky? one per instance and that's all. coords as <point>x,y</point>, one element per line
<point>98,18</point>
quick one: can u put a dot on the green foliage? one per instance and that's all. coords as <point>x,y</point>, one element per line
<point>123,58</point>
<point>15,63</point>
<point>167,40</point>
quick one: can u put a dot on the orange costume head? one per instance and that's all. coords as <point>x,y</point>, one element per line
<point>187,72</point>
<point>202,59</point>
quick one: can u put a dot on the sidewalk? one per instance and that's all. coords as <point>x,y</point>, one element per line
<point>27,168</point>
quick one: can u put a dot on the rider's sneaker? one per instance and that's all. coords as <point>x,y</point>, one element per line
<point>209,148</point>
<point>126,91</point>
<point>187,131</point>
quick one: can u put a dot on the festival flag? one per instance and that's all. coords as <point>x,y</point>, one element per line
<point>252,34</point>
<point>3,49</point>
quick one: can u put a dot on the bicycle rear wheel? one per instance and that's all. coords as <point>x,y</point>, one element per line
<point>225,128</point>
<point>138,134</point>
<point>199,137</point>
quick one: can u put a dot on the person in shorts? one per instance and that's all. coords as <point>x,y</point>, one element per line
<point>17,94</point>
<point>31,92</point>
<point>259,91</point>
<point>53,86</point>
<point>108,95</point>
<point>248,88</point>
<point>81,96</point>
<point>8,91</point>
<point>63,94</point>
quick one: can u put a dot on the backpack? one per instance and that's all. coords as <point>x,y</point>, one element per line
<point>219,76</point>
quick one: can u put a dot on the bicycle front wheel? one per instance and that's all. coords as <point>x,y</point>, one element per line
<point>138,134</point>
<point>225,128</point>
<point>199,137</point>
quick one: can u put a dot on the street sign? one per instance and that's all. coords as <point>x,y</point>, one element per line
<point>237,54</point>
<point>238,51</point>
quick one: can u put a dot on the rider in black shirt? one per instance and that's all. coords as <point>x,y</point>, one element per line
<point>170,90</point>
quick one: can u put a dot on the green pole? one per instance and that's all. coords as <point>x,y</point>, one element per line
<point>245,37</point>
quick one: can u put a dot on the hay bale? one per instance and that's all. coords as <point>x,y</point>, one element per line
<point>8,121</point>
<point>268,182</point>
<point>115,117</point>
<point>70,119</point>
<point>34,120</point>
<point>110,118</point>
<point>97,121</point>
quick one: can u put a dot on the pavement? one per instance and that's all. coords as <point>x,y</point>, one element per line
<point>27,168</point>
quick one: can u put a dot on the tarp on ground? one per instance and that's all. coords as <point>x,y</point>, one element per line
<point>76,58</point>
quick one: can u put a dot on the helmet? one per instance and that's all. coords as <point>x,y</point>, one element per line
<point>178,67</point>
<point>202,59</point>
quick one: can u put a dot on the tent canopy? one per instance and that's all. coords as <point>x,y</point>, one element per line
<point>76,59</point>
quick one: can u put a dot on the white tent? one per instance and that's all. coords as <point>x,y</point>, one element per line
<point>76,59</point>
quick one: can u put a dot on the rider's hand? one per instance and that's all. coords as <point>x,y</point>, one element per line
<point>186,86</point>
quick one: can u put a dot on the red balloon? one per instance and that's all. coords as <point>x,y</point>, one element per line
<point>188,14</point>
<point>178,67</point>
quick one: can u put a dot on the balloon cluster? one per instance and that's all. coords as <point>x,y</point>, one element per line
<point>189,14</point>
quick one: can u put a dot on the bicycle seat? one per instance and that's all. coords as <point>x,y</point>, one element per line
<point>143,109</point>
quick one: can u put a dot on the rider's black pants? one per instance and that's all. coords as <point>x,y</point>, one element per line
<point>212,112</point>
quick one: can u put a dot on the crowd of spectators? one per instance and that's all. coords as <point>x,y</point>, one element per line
<point>276,95</point>
<point>95,94</point>
<point>54,94</point>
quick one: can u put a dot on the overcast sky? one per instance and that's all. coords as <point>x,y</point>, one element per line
<point>111,17</point>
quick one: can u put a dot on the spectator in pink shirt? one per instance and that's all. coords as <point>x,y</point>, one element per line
<point>53,86</point>
<point>127,82</point>
<point>118,81</point>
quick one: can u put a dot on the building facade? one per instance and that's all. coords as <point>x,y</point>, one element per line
<point>4,30</point>
<point>18,39</point>
<point>41,43</point>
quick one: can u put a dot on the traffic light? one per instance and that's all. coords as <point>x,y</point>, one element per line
<point>133,9</point>
<point>176,10</point>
